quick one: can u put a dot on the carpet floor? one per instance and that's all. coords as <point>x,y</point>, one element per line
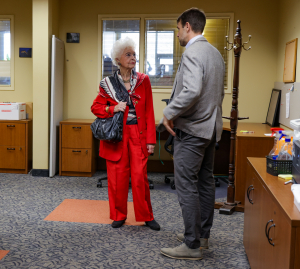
<point>29,240</point>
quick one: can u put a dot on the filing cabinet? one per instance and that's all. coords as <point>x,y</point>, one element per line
<point>15,146</point>
<point>77,148</point>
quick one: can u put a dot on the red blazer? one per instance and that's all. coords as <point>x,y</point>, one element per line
<point>145,118</point>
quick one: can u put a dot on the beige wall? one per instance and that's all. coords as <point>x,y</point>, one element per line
<point>22,11</point>
<point>257,69</point>
<point>289,29</point>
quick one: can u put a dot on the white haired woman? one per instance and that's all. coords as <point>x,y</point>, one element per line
<point>130,92</point>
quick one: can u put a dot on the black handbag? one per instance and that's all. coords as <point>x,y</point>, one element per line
<point>110,129</point>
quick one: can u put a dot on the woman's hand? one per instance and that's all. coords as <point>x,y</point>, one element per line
<point>120,107</point>
<point>150,148</point>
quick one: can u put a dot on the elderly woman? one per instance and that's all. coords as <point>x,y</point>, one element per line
<point>130,92</point>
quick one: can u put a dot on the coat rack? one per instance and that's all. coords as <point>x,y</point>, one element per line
<point>231,205</point>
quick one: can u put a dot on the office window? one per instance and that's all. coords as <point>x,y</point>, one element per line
<point>158,50</point>
<point>112,31</point>
<point>215,32</point>
<point>162,54</point>
<point>6,53</point>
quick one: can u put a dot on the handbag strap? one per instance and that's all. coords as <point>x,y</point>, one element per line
<point>121,92</point>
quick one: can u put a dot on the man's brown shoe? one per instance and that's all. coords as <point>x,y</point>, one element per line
<point>182,252</point>
<point>203,241</point>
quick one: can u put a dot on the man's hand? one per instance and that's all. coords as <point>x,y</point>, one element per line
<point>169,125</point>
<point>150,148</point>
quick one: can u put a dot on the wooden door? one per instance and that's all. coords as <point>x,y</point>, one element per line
<point>76,160</point>
<point>76,136</point>
<point>248,212</point>
<point>12,157</point>
<point>265,249</point>
<point>258,238</point>
<point>281,235</point>
<point>12,134</point>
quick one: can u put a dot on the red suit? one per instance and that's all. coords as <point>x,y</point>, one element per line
<point>128,158</point>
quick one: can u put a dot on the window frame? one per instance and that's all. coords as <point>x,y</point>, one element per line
<point>11,87</point>
<point>142,18</point>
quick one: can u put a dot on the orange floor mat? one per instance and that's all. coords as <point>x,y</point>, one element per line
<point>88,211</point>
<point>3,253</point>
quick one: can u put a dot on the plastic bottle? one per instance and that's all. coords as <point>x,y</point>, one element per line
<point>286,152</point>
<point>281,142</point>
<point>274,151</point>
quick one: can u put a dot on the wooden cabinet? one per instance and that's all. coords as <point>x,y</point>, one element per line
<point>15,146</point>
<point>254,144</point>
<point>272,221</point>
<point>77,150</point>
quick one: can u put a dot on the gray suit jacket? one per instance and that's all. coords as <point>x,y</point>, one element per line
<point>198,92</point>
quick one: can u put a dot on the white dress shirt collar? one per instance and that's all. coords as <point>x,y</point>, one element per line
<point>192,40</point>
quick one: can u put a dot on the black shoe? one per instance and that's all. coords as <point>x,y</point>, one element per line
<point>153,225</point>
<point>118,224</point>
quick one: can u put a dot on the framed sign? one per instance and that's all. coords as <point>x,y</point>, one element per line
<point>290,61</point>
<point>273,111</point>
<point>25,52</point>
<point>73,37</point>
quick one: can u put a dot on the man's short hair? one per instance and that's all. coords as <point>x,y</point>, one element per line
<point>195,17</point>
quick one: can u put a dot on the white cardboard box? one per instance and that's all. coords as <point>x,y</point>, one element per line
<point>12,111</point>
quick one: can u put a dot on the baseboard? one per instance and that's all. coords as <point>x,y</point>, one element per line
<point>40,172</point>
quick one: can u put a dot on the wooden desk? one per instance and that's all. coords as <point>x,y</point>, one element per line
<point>270,203</point>
<point>248,145</point>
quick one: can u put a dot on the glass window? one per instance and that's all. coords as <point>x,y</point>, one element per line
<point>162,53</point>
<point>112,31</point>
<point>215,32</point>
<point>5,53</point>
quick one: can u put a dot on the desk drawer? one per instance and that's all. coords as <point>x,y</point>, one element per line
<point>12,157</point>
<point>12,134</point>
<point>76,160</point>
<point>76,136</point>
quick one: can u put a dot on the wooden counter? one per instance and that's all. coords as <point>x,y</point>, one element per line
<point>272,221</point>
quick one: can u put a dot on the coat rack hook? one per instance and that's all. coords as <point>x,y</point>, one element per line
<point>247,43</point>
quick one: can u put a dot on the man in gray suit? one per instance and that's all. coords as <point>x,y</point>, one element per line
<point>195,110</point>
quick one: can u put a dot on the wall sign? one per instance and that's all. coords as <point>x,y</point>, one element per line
<point>25,52</point>
<point>73,37</point>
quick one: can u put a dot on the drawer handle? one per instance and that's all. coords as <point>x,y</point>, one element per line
<point>76,150</point>
<point>76,127</point>
<point>270,239</point>
<point>11,126</point>
<point>10,148</point>
<point>248,193</point>
<point>268,231</point>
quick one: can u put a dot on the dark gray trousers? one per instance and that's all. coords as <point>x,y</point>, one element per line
<point>195,185</point>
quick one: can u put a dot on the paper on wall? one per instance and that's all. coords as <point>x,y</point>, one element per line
<point>287,105</point>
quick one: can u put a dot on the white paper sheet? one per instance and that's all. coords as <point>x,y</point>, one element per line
<point>287,105</point>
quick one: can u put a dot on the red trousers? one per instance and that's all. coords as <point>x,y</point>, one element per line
<point>133,163</point>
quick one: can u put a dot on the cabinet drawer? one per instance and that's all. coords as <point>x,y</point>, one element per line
<point>76,160</point>
<point>12,157</point>
<point>76,136</point>
<point>12,134</point>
